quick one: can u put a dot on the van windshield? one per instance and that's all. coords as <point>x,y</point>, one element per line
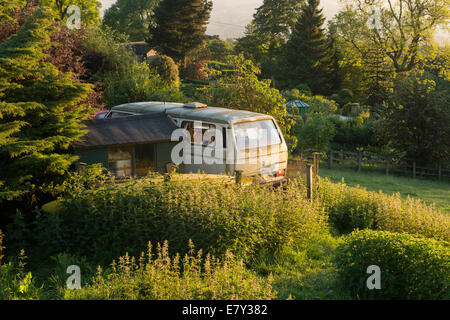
<point>257,134</point>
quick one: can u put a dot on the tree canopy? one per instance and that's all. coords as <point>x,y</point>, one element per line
<point>180,27</point>
<point>39,118</point>
<point>307,51</point>
<point>133,18</point>
<point>90,9</point>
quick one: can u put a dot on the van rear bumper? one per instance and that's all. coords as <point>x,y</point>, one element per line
<point>277,183</point>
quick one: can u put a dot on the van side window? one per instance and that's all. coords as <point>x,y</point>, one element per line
<point>193,128</point>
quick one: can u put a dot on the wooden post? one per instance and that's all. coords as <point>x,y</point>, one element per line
<point>414,169</point>
<point>387,166</point>
<point>316,164</point>
<point>309,181</point>
<point>238,176</point>
<point>359,161</point>
<point>330,160</point>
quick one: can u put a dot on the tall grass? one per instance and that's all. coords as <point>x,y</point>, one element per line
<point>109,221</point>
<point>160,277</point>
<point>352,208</point>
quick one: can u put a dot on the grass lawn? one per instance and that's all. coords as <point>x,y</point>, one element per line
<point>431,192</point>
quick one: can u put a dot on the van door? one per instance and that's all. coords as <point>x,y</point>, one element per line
<point>207,148</point>
<point>260,149</point>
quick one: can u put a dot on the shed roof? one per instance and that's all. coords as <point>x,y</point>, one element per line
<point>149,128</point>
<point>140,48</point>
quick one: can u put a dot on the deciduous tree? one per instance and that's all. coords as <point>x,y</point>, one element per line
<point>133,18</point>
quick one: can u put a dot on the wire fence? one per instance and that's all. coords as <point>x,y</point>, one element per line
<point>389,164</point>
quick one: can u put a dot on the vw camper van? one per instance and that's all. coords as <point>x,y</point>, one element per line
<point>247,143</point>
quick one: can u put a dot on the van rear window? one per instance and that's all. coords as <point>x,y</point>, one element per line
<point>257,134</point>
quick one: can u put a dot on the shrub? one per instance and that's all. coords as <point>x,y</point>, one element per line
<point>343,97</point>
<point>111,220</point>
<point>243,90</point>
<point>125,79</point>
<point>317,132</point>
<point>166,68</point>
<point>411,267</point>
<point>356,208</point>
<point>159,277</point>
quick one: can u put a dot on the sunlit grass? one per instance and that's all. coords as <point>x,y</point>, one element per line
<point>429,191</point>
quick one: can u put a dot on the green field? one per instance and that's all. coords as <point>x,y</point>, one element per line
<point>432,192</point>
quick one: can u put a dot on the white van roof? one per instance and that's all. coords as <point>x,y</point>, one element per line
<point>193,111</point>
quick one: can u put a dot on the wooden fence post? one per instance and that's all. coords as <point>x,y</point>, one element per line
<point>309,181</point>
<point>238,176</point>
<point>330,159</point>
<point>316,164</point>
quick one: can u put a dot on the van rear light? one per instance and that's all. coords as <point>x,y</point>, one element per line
<point>280,173</point>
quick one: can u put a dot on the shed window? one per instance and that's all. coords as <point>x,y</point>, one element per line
<point>120,161</point>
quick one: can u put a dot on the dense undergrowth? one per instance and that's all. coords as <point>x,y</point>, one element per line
<point>252,243</point>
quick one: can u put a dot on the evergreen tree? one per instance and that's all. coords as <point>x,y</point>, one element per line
<point>377,77</point>
<point>38,120</point>
<point>307,51</point>
<point>277,18</point>
<point>180,27</point>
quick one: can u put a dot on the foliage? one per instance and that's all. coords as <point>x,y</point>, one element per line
<point>7,9</point>
<point>166,68</point>
<point>133,18</point>
<point>307,50</point>
<point>15,283</point>
<point>195,66</point>
<point>355,133</point>
<point>343,97</point>
<point>180,27</point>
<point>317,132</point>
<point>411,267</point>
<point>319,104</point>
<point>430,192</point>
<point>125,79</point>
<point>351,208</point>
<point>267,34</point>
<point>107,222</point>
<point>90,10</point>
<point>402,31</point>
<point>157,276</point>
<point>298,93</point>
<point>244,91</point>
<point>38,119</point>
<point>219,48</point>
<point>415,121</point>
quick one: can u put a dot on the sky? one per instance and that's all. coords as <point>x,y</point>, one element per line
<point>229,17</point>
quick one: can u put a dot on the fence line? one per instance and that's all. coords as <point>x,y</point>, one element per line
<point>387,163</point>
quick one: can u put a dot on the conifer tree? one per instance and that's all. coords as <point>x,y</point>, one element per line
<point>180,27</point>
<point>38,114</point>
<point>307,50</point>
